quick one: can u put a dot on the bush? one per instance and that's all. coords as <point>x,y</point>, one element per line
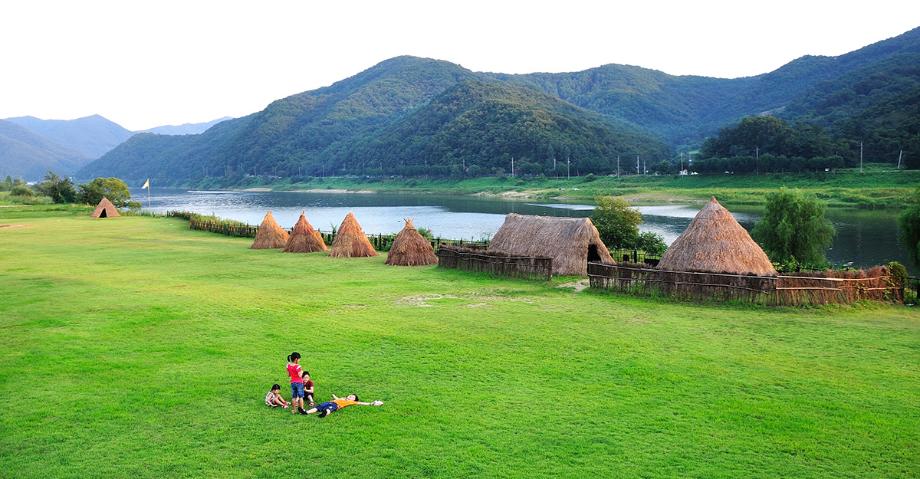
<point>617,223</point>
<point>898,272</point>
<point>22,190</point>
<point>795,228</point>
<point>60,190</point>
<point>426,233</point>
<point>112,188</point>
<point>909,225</point>
<point>652,243</point>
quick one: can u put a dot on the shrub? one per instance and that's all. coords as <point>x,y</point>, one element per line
<point>617,223</point>
<point>794,228</point>
<point>60,190</point>
<point>21,190</point>
<point>909,225</point>
<point>652,243</point>
<point>112,188</point>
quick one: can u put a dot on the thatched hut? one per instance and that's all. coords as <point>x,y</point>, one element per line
<point>270,235</point>
<point>715,243</point>
<point>304,239</point>
<point>350,240</point>
<point>570,242</point>
<point>410,248</point>
<point>105,209</point>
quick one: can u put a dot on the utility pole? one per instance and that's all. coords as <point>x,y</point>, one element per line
<point>512,166</point>
<point>756,159</point>
<point>899,158</point>
<point>637,164</point>
<point>618,166</point>
<point>554,163</point>
<point>860,157</point>
<point>644,168</point>
<point>568,168</point>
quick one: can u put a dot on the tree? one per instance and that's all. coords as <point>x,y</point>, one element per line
<point>112,188</point>
<point>617,223</point>
<point>909,223</point>
<point>652,243</point>
<point>794,230</point>
<point>61,190</point>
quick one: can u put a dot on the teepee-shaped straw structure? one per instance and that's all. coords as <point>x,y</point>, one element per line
<point>105,209</point>
<point>411,248</point>
<point>715,243</point>
<point>270,235</point>
<point>350,240</point>
<point>304,239</point>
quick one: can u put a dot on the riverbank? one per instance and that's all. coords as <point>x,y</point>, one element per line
<point>462,361</point>
<point>876,188</point>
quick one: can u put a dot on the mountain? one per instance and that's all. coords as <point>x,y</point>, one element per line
<point>91,136</point>
<point>412,115</point>
<point>28,155</point>
<point>185,128</point>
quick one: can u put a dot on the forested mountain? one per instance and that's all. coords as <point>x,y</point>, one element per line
<point>90,136</point>
<point>185,128</point>
<point>393,118</point>
<point>28,155</point>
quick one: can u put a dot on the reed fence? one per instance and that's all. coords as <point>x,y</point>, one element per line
<point>497,264</point>
<point>826,287</point>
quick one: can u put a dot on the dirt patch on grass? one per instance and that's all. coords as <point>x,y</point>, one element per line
<point>12,226</point>
<point>576,286</point>
<point>422,300</point>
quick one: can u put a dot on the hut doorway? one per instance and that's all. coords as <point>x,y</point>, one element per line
<point>593,255</point>
<point>103,215</point>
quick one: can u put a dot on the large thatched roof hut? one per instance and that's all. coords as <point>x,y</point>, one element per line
<point>714,242</point>
<point>105,209</point>
<point>570,242</point>
<point>410,248</point>
<point>350,240</point>
<point>270,235</point>
<point>304,239</point>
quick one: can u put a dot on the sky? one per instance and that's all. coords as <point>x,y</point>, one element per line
<point>146,63</point>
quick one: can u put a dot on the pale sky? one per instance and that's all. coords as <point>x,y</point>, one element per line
<point>146,63</point>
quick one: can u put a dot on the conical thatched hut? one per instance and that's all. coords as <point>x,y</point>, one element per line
<point>270,235</point>
<point>304,239</point>
<point>350,240</point>
<point>105,209</point>
<point>570,242</point>
<point>410,248</point>
<point>715,243</point>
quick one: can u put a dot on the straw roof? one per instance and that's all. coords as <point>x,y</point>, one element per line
<point>270,235</point>
<point>105,209</point>
<point>410,248</point>
<point>304,239</point>
<point>350,240</point>
<point>714,242</point>
<point>570,242</point>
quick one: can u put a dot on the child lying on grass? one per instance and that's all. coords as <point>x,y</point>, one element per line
<point>329,407</point>
<point>274,399</point>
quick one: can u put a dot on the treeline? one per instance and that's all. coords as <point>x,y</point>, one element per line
<point>61,190</point>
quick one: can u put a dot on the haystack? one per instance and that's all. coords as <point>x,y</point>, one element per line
<point>270,235</point>
<point>105,209</point>
<point>304,239</point>
<point>715,243</point>
<point>570,242</point>
<point>411,248</point>
<point>350,240</point>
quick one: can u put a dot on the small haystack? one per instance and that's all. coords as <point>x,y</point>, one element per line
<point>304,239</point>
<point>105,209</point>
<point>350,240</point>
<point>411,248</point>
<point>715,243</point>
<point>270,235</point>
<point>570,242</point>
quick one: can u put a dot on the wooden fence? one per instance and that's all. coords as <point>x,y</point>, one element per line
<point>829,287</point>
<point>497,264</point>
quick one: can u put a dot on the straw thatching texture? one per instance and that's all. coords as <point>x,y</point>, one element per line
<point>410,248</point>
<point>304,239</point>
<point>270,235</point>
<point>715,242</point>
<point>570,242</point>
<point>350,240</point>
<point>105,209</point>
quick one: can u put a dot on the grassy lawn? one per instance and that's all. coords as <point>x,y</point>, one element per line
<point>135,347</point>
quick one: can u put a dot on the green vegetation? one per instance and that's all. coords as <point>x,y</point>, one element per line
<point>794,231</point>
<point>114,189</point>
<point>147,349</point>
<point>909,225</point>
<point>616,222</point>
<point>60,190</point>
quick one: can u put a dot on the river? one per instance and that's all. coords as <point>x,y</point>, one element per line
<point>863,237</point>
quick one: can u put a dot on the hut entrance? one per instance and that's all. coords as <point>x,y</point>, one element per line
<point>593,255</point>
<point>103,215</point>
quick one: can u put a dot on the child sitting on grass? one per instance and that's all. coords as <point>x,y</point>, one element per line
<point>274,399</point>
<point>308,388</point>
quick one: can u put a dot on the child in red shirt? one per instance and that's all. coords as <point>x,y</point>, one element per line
<point>308,388</point>
<point>295,372</point>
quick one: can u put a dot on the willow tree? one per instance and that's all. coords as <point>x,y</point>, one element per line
<point>794,231</point>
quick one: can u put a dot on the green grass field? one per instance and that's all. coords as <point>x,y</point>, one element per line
<point>135,347</point>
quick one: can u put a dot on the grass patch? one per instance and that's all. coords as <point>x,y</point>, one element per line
<point>136,347</point>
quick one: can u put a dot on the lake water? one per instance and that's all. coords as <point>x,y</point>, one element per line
<point>863,237</point>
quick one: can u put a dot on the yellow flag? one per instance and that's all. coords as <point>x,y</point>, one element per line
<point>146,184</point>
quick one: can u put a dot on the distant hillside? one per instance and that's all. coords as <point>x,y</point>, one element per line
<point>480,126</point>
<point>91,136</point>
<point>27,155</point>
<point>185,128</point>
<point>391,118</point>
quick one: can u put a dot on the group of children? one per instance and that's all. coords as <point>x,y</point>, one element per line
<point>302,388</point>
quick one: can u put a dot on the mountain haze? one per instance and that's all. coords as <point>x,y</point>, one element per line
<point>185,128</point>
<point>28,155</point>
<point>91,136</point>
